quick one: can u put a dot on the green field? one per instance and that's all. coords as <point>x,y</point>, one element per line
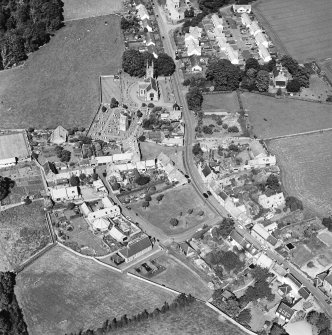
<point>194,319</point>
<point>175,201</point>
<point>59,84</point>
<point>23,231</point>
<point>306,164</point>
<point>271,117</point>
<point>221,103</point>
<point>302,26</point>
<point>62,293</point>
<point>80,9</point>
<point>182,279</point>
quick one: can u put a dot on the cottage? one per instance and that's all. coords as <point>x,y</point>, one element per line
<point>192,45</point>
<point>262,235</point>
<point>264,261</point>
<point>263,53</point>
<point>304,292</point>
<point>64,194</point>
<point>319,280</point>
<point>217,21</point>
<point>261,39</point>
<point>254,28</point>
<point>284,290</point>
<point>59,135</point>
<point>186,249</point>
<point>196,32</point>
<point>195,64</point>
<point>327,284</point>
<point>136,248</point>
<point>285,312</point>
<point>280,79</point>
<point>245,19</point>
<point>294,280</point>
<point>149,39</point>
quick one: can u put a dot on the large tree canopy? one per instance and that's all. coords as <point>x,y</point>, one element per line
<point>212,6</point>
<point>25,26</point>
<point>5,185</point>
<point>224,74</point>
<point>194,99</point>
<point>165,65</point>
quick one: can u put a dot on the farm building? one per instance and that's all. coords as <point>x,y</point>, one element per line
<point>136,248</point>
<point>118,235</point>
<point>59,135</point>
<point>14,148</point>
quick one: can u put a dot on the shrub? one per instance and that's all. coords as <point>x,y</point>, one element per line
<point>233,129</point>
<point>174,222</point>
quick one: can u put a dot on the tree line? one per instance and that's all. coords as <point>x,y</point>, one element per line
<point>108,326</point>
<point>25,25</point>
<point>134,63</point>
<point>11,316</point>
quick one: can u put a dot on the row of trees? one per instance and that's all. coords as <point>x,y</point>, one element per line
<point>134,63</point>
<point>320,321</point>
<point>25,26</point>
<point>11,316</point>
<point>179,302</point>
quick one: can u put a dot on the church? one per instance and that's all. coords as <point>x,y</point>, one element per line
<point>148,89</point>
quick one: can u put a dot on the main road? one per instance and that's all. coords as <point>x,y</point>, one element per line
<point>196,179</point>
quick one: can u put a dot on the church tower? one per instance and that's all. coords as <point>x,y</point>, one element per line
<point>149,70</point>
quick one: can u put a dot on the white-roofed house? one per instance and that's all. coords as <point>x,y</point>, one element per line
<point>242,8</point>
<point>254,28</point>
<point>59,135</point>
<point>175,115</point>
<point>232,54</point>
<point>264,261</point>
<point>261,39</point>
<point>65,193</point>
<point>109,211</point>
<point>175,12</point>
<point>245,19</point>
<point>173,142</point>
<point>7,162</point>
<point>118,235</point>
<point>273,201</point>
<point>217,21</point>
<point>125,157</point>
<point>142,12</point>
<point>85,210</point>
<point>196,32</point>
<point>107,202</point>
<point>101,224</point>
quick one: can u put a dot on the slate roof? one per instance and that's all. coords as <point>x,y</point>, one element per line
<point>285,310</point>
<point>49,167</point>
<point>304,293</point>
<point>135,246</point>
<point>206,171</point>
<point>285,289</point>
<point>294,280</point>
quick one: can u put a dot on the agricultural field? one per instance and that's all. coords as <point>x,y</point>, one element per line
<point>303,27</point>
<point>194,319</point>
<point>23,232</point>
<point>218,103</point>
<point>62,293</point>
<point>110,88</point>
<point>81,9</point>
<point>59,84</point>
<point>306,164</point>
<point>271,117</point>
<point>181,278</point>
<point>14,145</point>
<point>176,201</point>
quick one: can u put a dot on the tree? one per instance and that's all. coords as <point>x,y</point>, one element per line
<point>142,138</point>
<point>262,81</point>
<point>272,183</point>
<point>244,317</point>
<point>142,180</point>
<point>145,204</point>
<point>290,64</point>
<point>165,65</point>
<point>252,63</point>
<point>293,203</point>
<point>95,176</point>
<point>27,201</point>
<point>133,63</point>
<point>207,130</point>
<point>189,12</point>
<point>6,184</point>
<point>279,92</point>
<point>65,156</point>
<point>293,86</point>
<point>224,74</point>
<point>139,113</point>
<point>194,99</point>
<point>277,329</point>
<point>224,228</point>
<point>323,322</point>
<point>327,222</point>
<point>114,103</point>
<point>159,197</point>
<point>71,206</point>
<point>197,149</point>
<point>74,181</point>
<point>211,6</point>
<point>174,222</point>
<point>148,197</point>
<point>233,129</point>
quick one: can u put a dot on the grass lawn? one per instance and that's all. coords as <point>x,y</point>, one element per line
<point>326,237</point>
<point>301,255</point>
<point>80,9</point>
<point>194,319</point>
<point>306,164</point>
<point>180,278</point>
<point>62,293</point>
<point>59,84</point>
<point>152,151</point>
<point>271,117</point>
<point>23,231</point>
<point>303,26</point>
<point>221,103</point>
<point>175,201</point>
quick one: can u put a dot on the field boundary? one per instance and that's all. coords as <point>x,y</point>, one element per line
<point>92,17</point>
<point>298,134</point>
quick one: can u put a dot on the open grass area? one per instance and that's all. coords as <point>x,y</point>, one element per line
<point>303,26</point>
<point>13,145</point>
<point>59,84</point>
<point>221,103</point>
<point>23,231</point>
<point>110,88</point>
<point>62,293</point>
<point>271,117</point>
<point>181,278</point>
<point>326,237</point>
<point>176,201</point>
<point>306,164</point>
<point>194,319</point>
<point>81,9</point>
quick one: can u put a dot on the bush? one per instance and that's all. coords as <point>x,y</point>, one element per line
<point>145,204</point>
<point>74,181</point>
<point>174,222</point>
<point>142,180</point>
<point>71,206</point>
<point>150,105</point>
<point>293,86</point>
<point>233,129</point>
